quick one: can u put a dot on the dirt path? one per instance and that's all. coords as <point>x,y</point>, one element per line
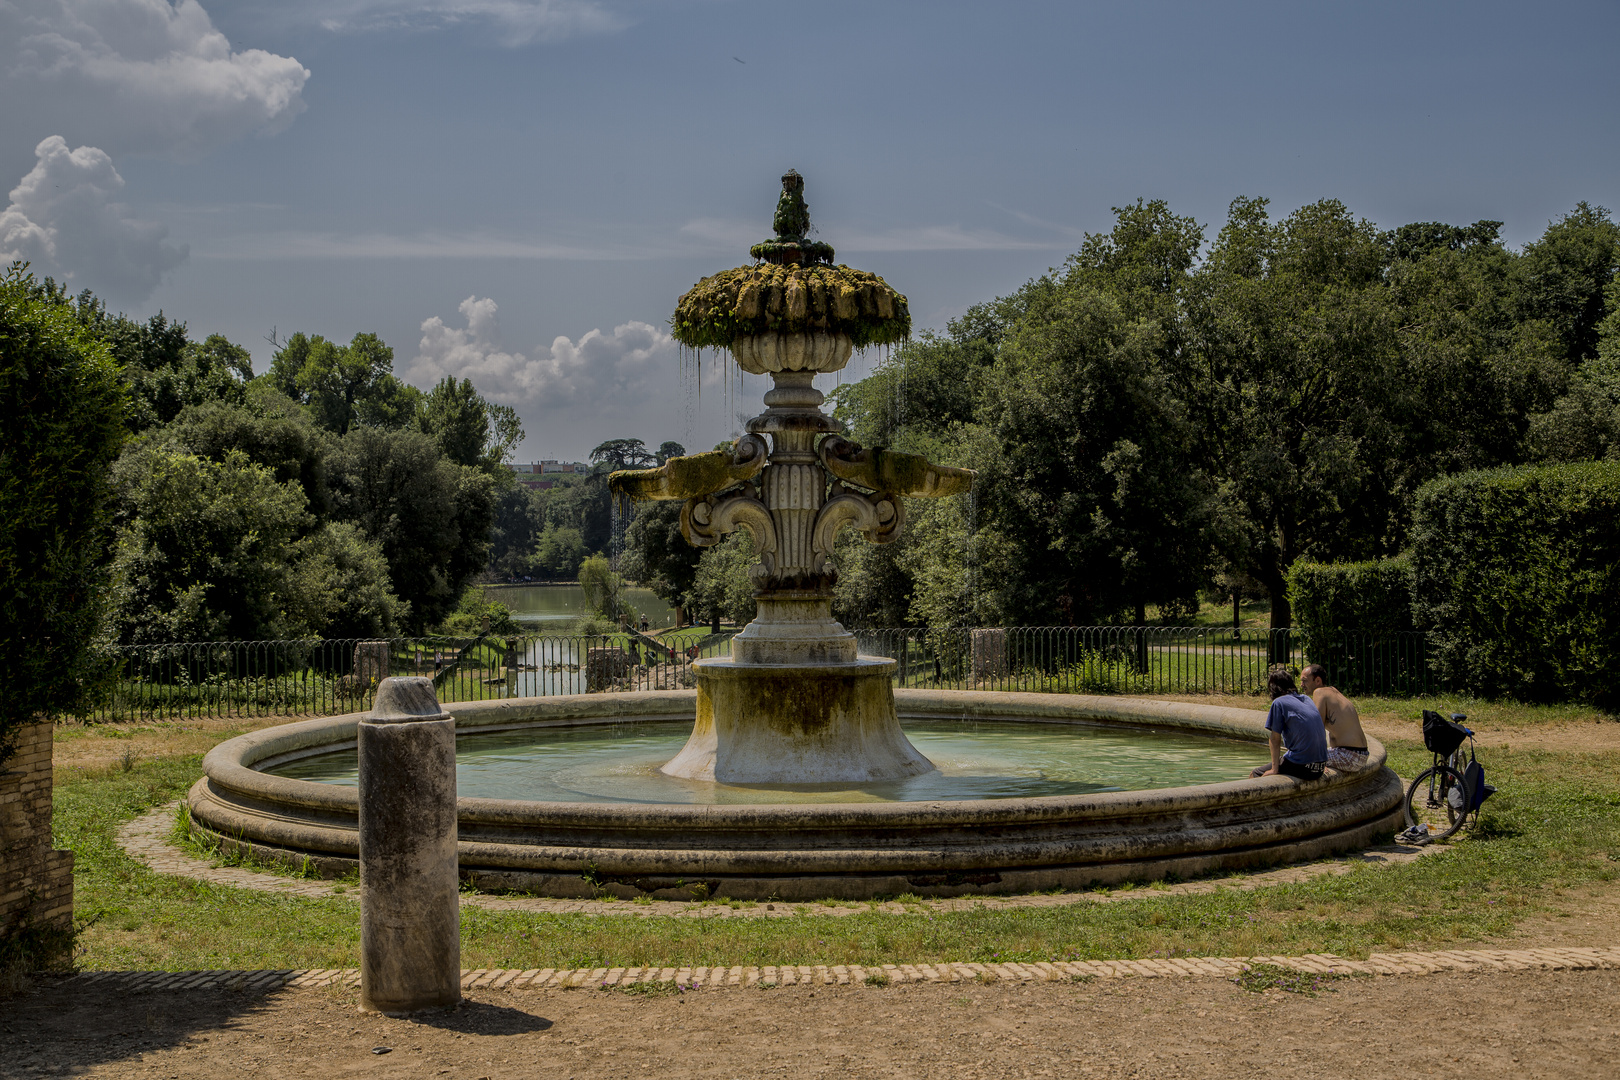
<point>1543,1024</point>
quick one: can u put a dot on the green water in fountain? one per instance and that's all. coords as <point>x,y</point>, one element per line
<point>618,763</point>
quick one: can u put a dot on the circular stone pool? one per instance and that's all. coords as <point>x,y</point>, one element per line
<point>974,760</point>
<point>561,796</point>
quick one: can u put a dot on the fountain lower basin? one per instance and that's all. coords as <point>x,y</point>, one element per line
<point>814,850</point>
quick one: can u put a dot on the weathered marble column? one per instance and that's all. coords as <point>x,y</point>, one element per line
<point>410,913</point>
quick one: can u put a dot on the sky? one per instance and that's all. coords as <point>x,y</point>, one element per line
<point>517,191</point>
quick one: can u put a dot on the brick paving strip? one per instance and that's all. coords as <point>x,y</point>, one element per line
<point>148,839</point>
<point>705,978</point>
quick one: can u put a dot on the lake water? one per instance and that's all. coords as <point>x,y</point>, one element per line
<point>619,764</point>
<point>552,609</point>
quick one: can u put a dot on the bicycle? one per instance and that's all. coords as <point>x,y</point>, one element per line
<point>1444,796</point>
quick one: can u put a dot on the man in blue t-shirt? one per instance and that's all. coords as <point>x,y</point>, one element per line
<point>1294,723</point>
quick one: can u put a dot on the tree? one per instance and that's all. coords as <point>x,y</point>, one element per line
<point>623,454</point>
<point>519,517</point>
<point>1584,424</point>
<point>667,450</point>
<point>63,403</point>
<point>1470,370</point>
<point>164,371</point>
<point>340,586</point>
<point>1562,277</point>
<point>344,385</point>
<point>205,549</point>
<point>656,554</point>
<point>430,517</point>
<point>1092,502</point>
<point>271,429</point>
<point>1297,340</point>
<point>470,430</point>
<point>558,552</point>
<point>721,584</point>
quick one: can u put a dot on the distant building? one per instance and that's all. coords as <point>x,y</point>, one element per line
<point>530,474</point>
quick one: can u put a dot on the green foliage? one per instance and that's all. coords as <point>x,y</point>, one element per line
<point>271,429</point>
<point>220,550</point>
<point>430,517</point>
<point>344,385</point>
<point>657,556</point>
<point>605,606</point>
<point>1357,619</point>
<point>63,414</point>
<point>1371,597</point>
<point>470,430</point>
<point>477,605</point>
<point>1561,278</point>
<point>1584,424</point>
<point>721,583</point>
<point>1516,579</point>
<point>558,552</point>
<point>624,454</point>
<point>791,299</point>
<point>340,586</point>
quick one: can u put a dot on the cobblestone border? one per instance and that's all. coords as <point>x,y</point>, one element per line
<point>146,839</point>
<point>704,978</point>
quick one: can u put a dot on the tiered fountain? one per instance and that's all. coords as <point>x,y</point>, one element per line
<point>796,780</point>
<point>795,703</point>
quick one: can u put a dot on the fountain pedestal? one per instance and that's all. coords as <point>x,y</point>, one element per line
<point>795,704</point>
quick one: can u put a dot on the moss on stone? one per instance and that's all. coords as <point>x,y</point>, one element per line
<point>789,298</point>
<point>684,477</point>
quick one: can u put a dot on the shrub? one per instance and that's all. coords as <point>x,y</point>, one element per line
<point>1357,622</point>
<point>62,404</point>
<point>1516,579</point>
<point>1373,597</point>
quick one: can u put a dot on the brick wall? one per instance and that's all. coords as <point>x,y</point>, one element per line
<point>36,883</point>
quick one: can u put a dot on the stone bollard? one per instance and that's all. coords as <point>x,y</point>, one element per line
<point>410,912</point>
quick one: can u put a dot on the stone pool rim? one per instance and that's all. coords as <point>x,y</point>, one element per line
<point>818,850</point>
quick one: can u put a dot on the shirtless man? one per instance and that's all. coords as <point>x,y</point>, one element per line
<point>1347,743</point>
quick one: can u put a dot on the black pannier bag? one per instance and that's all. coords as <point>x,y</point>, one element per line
<point>1440,735</point>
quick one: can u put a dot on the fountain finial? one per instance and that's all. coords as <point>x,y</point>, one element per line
<point>792,219</point>
<point>792,224</point>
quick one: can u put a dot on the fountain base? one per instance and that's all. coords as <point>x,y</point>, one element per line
<point>797,724</point>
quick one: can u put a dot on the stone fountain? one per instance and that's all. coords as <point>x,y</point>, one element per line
<point>795,703</point>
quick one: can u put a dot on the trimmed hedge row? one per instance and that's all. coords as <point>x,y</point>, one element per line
<point>1516,580</point>
<point>1356,620</point>
<point>1373,597</point>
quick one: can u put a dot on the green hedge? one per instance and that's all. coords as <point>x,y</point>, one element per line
<point>1356,619</point>
<point>61,423</point>
<point>1516,579</point>
<point>1372,597</point>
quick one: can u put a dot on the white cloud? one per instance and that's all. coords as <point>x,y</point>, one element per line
<point>65,220</point>
<point>138,75</point>
<point>598,371</point>
<point>518,22</point>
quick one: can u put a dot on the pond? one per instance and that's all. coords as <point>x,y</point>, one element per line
<point>976,760</point>
<point>552,609</point>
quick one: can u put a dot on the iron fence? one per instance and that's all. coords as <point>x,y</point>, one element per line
<point>333,676</point>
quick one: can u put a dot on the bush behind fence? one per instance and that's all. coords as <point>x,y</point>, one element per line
<point>334,676</point>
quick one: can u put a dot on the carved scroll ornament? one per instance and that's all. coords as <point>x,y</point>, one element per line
<point>705,521</point>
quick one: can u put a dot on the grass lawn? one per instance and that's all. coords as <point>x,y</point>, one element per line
<point>1554,827</point>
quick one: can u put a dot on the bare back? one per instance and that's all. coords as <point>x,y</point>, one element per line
<point>1340,718</point>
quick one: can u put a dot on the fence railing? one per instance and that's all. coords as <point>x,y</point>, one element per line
<point>332,676</point>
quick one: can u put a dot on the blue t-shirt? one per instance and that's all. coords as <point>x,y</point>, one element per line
<point>1301,725</point>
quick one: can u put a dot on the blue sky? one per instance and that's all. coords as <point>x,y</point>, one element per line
<point>517,190</point>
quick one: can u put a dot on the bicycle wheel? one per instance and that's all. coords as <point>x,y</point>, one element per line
<point>1438,798</point>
